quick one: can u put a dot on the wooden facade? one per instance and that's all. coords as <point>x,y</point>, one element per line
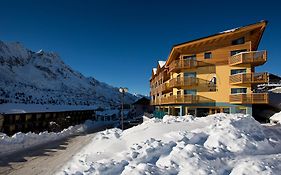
<point>42,121</point>
<point>213,72</point>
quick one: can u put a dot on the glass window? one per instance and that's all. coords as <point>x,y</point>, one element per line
<point>226,110</point>
<point>237,71</point>
<point>238,90</point>
<point>191,92</point>
<point>189,74</point>
<point>208,55</point>
<point>234,52</point>
<point>241,110</point>
<point>189,57</point>
<point>238,41</point>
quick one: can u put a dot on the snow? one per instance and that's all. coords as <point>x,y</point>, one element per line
<point>276,90</point>
<point>10,108</point>
<point>276,118</point>
<point>154,70</point>
<point>20,141</point>
<point>230,30</point>
<point>161,63</point>
<point>216,144</point>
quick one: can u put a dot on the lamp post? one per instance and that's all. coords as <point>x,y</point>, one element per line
<point>122,90</point>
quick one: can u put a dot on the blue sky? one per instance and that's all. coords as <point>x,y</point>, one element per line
<point>119,42</point>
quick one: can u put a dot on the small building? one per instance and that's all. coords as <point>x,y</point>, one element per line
<point>11,123</point>
<point>142,106</point>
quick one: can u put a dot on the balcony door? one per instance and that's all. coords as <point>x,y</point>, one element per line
<point>234,52</point>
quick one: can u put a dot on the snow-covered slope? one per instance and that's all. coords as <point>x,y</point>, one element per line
<point>43,78</point>
<point>216,144</point>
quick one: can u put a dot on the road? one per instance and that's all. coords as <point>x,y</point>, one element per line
<point>45,159</point>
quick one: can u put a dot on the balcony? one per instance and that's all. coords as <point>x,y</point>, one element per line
<point>254,58</point>
<point>254,98</point>
<point>183,82</point>
<point>185,99</point>
<point>246,78</point>
<point>178,65</point>
<point>165,87</point>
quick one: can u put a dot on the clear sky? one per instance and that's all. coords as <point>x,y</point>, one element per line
<point>119,42</point>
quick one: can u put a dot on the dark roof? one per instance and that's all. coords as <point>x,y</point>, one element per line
<point>273,77</point>
<point>142,101</point>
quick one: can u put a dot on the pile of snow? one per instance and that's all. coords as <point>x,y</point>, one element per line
<point>216,144</point>
<point>276,118</point>
<point>20,141</point>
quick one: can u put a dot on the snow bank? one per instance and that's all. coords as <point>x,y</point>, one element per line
<point>20,141</point>
<point>276,118</point>
<point>216,144</point>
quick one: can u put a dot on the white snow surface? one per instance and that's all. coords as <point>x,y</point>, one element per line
<point>276,118</point>
<point>21,141</point>
<point>230,30</point>
<point>154,70</point>
<point>216,144</point>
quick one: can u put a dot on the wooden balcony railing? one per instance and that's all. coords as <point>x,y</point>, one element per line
<point>177,65</point>
<point>254,57</point>
<point>185,99</point>
<point>249,78</point>
<point>183,82</point>
<point>253,98</point>
<point>165,87</point>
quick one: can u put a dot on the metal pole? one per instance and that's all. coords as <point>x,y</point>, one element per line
<point>122,111</point>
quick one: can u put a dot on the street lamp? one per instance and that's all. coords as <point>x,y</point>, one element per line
<point>122,90</point>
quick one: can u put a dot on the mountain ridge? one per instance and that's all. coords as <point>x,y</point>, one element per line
<point>43,78</point>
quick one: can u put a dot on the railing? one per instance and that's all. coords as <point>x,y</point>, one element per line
<point>183,81</point>
<point>253,98</point>
<point>248,78</point>
<point>253,57</point>
<point>185,99</point>
<point>165,87</point>
<point>186,64</point>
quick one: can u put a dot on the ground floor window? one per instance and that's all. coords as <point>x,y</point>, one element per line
<point>241,110</point>
<point>226,110</point>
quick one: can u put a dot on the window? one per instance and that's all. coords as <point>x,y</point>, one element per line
<point>241,110</point>
<point>237,71</point>
<point>238,41</point>
<point>189,74</point>
<point>234,52</point>
<point>226,110</point>
<point>190,92</point>
<point>238,90</point>
<point>208,55</point>
<point>189,57</point>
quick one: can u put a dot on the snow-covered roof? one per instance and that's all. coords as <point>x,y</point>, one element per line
<point>161,63</point>
<point>11,108</point>
<point>154,71</point>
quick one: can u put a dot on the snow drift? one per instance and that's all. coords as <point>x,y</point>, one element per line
<point>20,141</point>
<point>216,144</point>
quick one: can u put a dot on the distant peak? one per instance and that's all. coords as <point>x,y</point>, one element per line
<point>40,51</point>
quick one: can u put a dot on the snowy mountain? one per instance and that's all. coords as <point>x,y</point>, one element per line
<point>43,78</point>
